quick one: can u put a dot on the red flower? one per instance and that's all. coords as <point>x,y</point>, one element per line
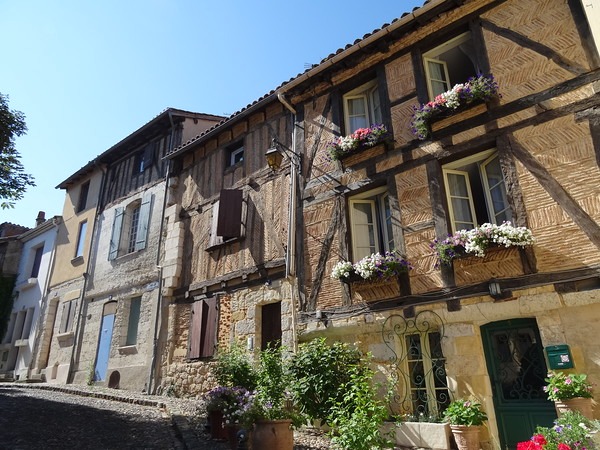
<point>540,439</point>
<point>563,447</point>
<point>528,445</point>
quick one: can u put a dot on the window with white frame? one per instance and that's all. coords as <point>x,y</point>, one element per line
<point>81,239</point>
<point>235,154</point>
<point>67,316</point>
<point>449,64</point>
<point>130,227</point>
<point>371,223</point>
<point>133,320</point>
<point>362,107</point>
<point>427,373</point>
<point>476,191</point>
<point>36,261</point>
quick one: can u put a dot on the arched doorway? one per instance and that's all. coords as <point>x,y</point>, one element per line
<point>516,366</point>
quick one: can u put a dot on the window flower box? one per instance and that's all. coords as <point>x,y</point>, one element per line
<point>475,90</point>
<point>362,139</point>
<point>371,268</point>
<point>477,241</point>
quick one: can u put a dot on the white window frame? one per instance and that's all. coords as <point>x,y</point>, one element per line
<point>483,159</point>
<point>79,249</point>
<point>376,200</point>
<point>234,152</point>
<point>428,372</point>
<point>433,56</point>
<point>369,94</point>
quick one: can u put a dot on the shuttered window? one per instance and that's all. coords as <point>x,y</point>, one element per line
<point>227,217</point>
<point>67,316</point>
<point>203,328</point>
<point>130,227</point>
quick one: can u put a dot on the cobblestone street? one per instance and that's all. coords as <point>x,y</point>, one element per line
<point>43,419</point>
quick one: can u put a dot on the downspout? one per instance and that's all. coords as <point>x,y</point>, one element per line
<point>290,259</point>
<point>77,334</point>
<point>158,314</point>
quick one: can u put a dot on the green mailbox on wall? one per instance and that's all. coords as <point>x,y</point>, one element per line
<point>559,357</point>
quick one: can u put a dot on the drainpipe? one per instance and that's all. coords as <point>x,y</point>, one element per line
<point>78,330</point>
<point>290,260</point>
<point>158,314</point>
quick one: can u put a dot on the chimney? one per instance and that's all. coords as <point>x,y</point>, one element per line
<point>40,219</point>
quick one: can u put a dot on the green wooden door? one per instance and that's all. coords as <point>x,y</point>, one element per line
<point>516,366</point>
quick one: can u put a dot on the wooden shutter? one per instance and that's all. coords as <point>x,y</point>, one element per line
<point>203,328</point>
<point>195,330</point>
<point>116,233</point>
<point>209,327</point>
<point>229,223</point>
<point>143,222</point>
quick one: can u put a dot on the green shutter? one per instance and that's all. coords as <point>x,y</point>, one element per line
<point>144,221</point>
<point>116,233</point>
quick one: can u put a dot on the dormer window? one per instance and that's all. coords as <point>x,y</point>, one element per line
<point>449,64</point>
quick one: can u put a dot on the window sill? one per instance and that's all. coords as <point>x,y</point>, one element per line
<point>77,261</point>
<point>21,342</point>
<point>128,350</point>
<point>61,337</point>
<point>223,244</point>
<point>27,284</point>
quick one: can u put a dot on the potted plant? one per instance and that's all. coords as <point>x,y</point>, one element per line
<point>465,418</point>
<point>570,431</point>
<point>569,392</point>
<point>371,268</point>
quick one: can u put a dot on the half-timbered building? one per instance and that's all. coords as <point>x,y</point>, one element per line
<point>492,112</point>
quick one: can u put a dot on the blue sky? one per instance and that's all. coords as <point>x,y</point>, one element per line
<point>88,73</point>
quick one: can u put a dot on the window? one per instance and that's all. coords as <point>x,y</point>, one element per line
<point>271,325</point>
<point>144,159</point>
<point>81,239</point>
<point>476,191</point>
<point>362,107</point>
<point>67,316</point>
<point>134,318</point>
<point>235,155</point>
<point>427,373</point>
<point>130,227</point>
<point>449,64</point>
<point>227,217</point>
<point>203,328</point>
<point>371,223</point>
<point>83,195</point>
<point>37,260</point>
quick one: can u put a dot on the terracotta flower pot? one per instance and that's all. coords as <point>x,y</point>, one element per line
<point>466,437</point>
<point>217,430</point>
<point>273,435</point>
<point>580,404</point>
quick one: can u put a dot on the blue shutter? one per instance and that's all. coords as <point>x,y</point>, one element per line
<point>116,233</point>
<point>144,221</point>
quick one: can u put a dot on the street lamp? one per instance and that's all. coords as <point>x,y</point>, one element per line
<point>276,152</point>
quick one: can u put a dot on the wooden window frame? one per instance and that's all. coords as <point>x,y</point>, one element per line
<point>382,239</point>
<point>433,55</point>
<point>482,159</point>
<point>370,95</point>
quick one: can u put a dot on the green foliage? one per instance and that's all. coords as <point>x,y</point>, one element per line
<point>13,180</point>
<point>319,372</point>
<point>6,302</point>
<point>563,387</point>
<point>356,420</point>
<point>570,431</point>
<point>234,368</point>
<point>464,412</point>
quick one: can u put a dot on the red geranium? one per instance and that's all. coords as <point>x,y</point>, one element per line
<point>563,447</point>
